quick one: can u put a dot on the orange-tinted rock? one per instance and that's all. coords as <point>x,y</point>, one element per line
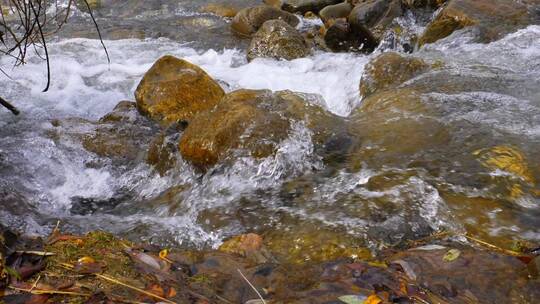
<point>254,122</point>
<point>174,89</point>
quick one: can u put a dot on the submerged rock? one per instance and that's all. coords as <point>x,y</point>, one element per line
<point>277,39</point>
<point>253,121</point>
<point>344,37</point>
<point>468,274</point>
<point>249,20</point>
<point>376,15</point>
<point>221,10</point>
<point>174,89</point>
<point>121,135</point>
<point>493,19</point>
<point>304,6</point>
<point>389,70</point>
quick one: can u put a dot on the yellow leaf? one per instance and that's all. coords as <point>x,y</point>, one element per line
<point>86,260</point>
<point>451,255</point>
<point>373,299</point>
<point>163,254</point>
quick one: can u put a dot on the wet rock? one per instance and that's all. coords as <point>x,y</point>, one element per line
<point>222,10</point>
<point>486,277</point>
<point>492,18</point>
<point>174,89</point>
<point>343,37</point>
<point>83,5</point>
<point>336,11</point>
<point>274,3</point>
<point>249,20</point>
<point>394,126</point>
<point>308,243</point>
<point>212,134</point>
<point>121,135</point>
<point>389,70</point>
<point>376,15</point>
<point>254,122</point>
<point>243,244</point>
<point>277,39</point>
<point>125,111</point>
<point>162,153</point>
<point>304,6</point>
<point>414,4</point>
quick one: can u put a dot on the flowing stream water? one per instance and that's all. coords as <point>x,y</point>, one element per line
<point>469,164</point>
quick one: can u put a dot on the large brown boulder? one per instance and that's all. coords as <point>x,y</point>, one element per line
<point>493,18</point>
<point>277,39</point>
<point>304,6</point>
<point>174,89</point>
<point>253,122</point>
<point>376,15</point>
<point>389,70</point>
<point>249,20</point>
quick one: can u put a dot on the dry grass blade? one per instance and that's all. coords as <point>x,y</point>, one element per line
<point>42,291</point>
<point>40,253</point>
<point>494,247</point>
<point>251,285</point>
<point>115,281</point>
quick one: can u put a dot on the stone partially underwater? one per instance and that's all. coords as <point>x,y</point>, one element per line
<point>225,174</point>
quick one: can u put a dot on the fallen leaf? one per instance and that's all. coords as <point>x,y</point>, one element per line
<point>406,268</point>
<point>163,254</point>
<point>451,255</point>
<point>429,247</point>
<point>352,299</point>
<point>85,260</point>
<point>373,299</point>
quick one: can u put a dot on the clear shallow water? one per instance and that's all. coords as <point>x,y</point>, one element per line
<point>493,102</point>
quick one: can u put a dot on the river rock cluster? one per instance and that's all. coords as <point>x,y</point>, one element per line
<point>181,114</point>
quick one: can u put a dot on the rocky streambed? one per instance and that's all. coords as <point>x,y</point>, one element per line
<point>357,152</point>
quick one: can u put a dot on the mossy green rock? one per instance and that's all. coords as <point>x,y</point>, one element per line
<point>277,39</point>
<point>174,90</point>
<point>494,18</point>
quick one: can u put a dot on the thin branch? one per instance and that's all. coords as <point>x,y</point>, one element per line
<point>9,106</point>
<point>251,285</point>
<point>97,29</point>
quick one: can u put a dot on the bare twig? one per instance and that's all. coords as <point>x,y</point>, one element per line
<point>251,285</point>
<point>43,291</point>
<point>29,26</point>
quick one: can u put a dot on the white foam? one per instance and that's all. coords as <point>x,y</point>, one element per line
<point>84,84</point>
